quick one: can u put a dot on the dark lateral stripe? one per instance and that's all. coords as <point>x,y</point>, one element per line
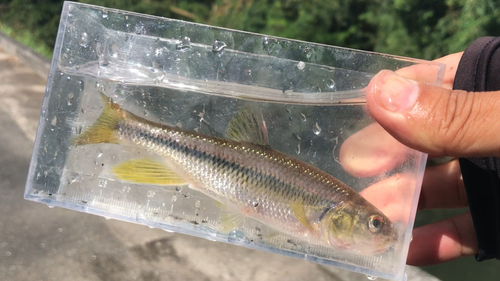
<point>274,184</point>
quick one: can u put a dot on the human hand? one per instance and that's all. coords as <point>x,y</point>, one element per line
<point>435,120</point>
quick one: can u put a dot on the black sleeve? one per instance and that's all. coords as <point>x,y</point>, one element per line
<point>479,71</point>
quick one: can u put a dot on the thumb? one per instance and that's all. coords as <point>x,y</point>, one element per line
<point>435,120</point>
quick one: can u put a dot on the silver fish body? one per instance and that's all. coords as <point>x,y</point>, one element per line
<point>259,182</point>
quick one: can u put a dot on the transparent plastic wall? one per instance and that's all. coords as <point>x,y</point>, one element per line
<point>198,80</point>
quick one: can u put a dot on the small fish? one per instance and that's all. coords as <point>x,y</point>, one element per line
<point>248,178</point>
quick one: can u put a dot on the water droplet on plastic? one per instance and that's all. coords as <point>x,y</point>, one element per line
<point>42,245</point>
<point>304,119</point>
<point>103,61</point>
<point>8,254</point>
<point>301,65</point>
<point>59,230</point>
<point>296,136</point>
<point>105,15</point>
<point>298,149</point>
<point>84,40</point>
<point>218,47</point>
<point>316,129</point>
<point>103,183</point>
<point>146,113</point>
<point>93,257</point>
<point>265,43</point>
<point>77,67</point>
<point>139,29</point>
<point>308,53</point>
<point>99,155</point>
<point>371,277</point>
<point>331,84</point>
<point>184,44</point>
<point>236,236</point>
<point>159,75</point>
<point>70,98</point>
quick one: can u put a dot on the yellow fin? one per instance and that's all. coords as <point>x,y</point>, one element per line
<point>229,219</point>
<point>147,171</point>
<point>299,212</point>
<point>248,126</point>
<point>104,129</point>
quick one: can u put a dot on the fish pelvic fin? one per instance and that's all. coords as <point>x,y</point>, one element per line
<point>104,129</point>
<point>299,213</point>
<point>147,171</point>
<point>248,126</point>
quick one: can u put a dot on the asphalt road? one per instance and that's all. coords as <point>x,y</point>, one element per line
<point>41,243</point>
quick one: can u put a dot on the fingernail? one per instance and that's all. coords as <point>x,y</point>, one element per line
<point>396,93</point>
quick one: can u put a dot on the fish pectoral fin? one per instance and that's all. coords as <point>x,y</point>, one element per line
<point>147,171</point>
<point>299,212</point>
<point>248,126</point>
<point>229,219</point>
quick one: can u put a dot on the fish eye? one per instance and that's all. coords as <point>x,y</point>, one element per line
<point>375,223</point>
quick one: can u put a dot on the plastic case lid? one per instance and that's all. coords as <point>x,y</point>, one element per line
<point>183,74</point>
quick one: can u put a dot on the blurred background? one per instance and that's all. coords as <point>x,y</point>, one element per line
<point>419,29</point>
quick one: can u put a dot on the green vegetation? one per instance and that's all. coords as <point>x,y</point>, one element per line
<point>422,29</point>
<point>26,38</point>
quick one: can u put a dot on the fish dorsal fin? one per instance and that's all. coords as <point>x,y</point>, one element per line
<point>147,171</point>
<point>299,212</point>
<point>248,126</point>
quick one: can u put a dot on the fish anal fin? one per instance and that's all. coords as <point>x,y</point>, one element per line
<point>299,213</point>
<point>229,218</point>
<point>248,126</point>
<point>147,171</point>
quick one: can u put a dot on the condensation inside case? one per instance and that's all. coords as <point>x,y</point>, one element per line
<point>198,77</point>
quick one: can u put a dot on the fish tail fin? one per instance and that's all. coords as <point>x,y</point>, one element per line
<point>104,130</point>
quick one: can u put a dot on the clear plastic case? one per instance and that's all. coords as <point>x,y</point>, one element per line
<point>280,179</point>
